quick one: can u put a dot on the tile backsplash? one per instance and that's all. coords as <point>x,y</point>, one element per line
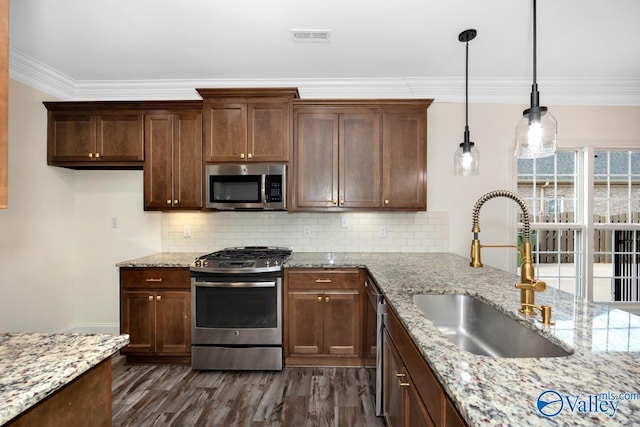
<point>307,232</point>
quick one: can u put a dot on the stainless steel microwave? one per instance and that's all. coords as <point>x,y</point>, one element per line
<point>246,186</point>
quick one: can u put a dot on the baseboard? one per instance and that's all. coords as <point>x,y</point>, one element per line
<point>91,328</point>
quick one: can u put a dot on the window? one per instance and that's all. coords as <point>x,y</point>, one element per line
<point>585,212</point>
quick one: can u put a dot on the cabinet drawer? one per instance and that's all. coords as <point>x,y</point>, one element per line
<point>347,278</point>
<point>155,277</point>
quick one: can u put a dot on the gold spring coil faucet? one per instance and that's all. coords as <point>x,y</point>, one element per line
<point>528,284</point>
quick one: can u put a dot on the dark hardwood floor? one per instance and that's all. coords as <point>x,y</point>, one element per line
<point>156,395</point>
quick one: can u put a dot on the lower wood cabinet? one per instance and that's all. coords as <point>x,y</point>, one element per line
<point>323,318</point>
<point>412,394</point>
<point>155,310</point>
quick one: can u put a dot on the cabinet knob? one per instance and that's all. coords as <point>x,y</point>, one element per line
<point>97,155</point>
<point>334,201</point>
<point>158,298</point>
<point>341,202</point>
<point>168,201</point>
<point>319,298</point>
<point>242,155</point>
<point>175,202</point>
<point>386,202</point>
<point>326,299</point>
<point>250,155</point>
<point>91,155</point>
<point>150,297</point>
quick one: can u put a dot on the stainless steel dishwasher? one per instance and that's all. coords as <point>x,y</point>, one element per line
<point>376,305</point>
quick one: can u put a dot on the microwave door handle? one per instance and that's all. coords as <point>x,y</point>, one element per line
<point>263,192</point>
<point>236,284</point>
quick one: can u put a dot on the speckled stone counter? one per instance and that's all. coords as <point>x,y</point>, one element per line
<point>33,366</point>
<point>163,259</point>
<point>504,392</point>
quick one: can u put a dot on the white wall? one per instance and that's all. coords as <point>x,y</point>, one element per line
<point>58,249</point>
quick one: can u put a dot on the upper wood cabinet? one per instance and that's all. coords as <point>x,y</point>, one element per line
<point>338,158</point>
<point>247,125</point>
<point>404,153</point>
<point>359,155</point>
<point>173,158</point>
<point>95,134</point>
<point>4,101</point>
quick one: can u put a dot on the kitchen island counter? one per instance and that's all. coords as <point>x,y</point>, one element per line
<point>504,392</point>
<point>35,366</point>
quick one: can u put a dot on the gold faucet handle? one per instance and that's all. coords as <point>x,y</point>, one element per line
<point>545,312</point>
<point>535,285</point>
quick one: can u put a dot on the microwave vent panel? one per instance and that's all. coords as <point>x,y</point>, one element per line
<point>311,36</point>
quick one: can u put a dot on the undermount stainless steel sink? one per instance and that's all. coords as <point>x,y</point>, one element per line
<point>479,328</point>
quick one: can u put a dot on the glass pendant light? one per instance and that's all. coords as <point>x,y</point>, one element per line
<point>466,161</point>
<point>536,133</point>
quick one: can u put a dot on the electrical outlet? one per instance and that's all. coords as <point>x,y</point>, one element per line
<point>344,221</point>
<point>383,231</point>
<point>186,232</point>
<point>114,222</point>
<point>306,231</point>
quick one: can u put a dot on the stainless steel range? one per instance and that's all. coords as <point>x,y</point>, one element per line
<point>236,303</point>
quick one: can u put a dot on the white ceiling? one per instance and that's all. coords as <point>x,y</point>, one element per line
<point>588,52</point>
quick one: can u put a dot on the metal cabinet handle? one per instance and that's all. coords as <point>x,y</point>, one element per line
<point>242,155</point>
<point>168,201</point>
<point>153,279</point>
<point>150,297</point>
<point>326,299</point>
<point>97,155</point>
<point>91,155</point>
<point>175,202</point>
<point>319,298</point>
<point>323,280</point>
<point>400,382</point>
<point>158,297</point>
<point>250,155</point>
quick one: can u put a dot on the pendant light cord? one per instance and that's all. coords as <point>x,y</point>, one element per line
<point>534,44</point>
<point>466,90</point>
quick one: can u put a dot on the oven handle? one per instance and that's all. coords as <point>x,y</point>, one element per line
<point>235,284</point>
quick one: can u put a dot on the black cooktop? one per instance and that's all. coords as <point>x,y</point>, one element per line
<point>246,259</point>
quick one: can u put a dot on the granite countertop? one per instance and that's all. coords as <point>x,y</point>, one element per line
<point>498,391</point>
<point>34,366</point>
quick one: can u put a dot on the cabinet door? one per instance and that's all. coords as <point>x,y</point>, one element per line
<point>305,323</point>
<point>395,404</point>
<point>269,134</point>
<point>404,159</point>
<point>417,414</point>
<point>342,330</point>
<point>158,168</point>
<point>138,320</point>
<point>187,160</point>
<point>173,322</point>
<point>225,131</point>
<point>316,160</point>
<point>72,137</point>
<point>120,137</point>
<point>360,157</point>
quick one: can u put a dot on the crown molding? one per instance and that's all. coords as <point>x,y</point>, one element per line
<point>38,75</point>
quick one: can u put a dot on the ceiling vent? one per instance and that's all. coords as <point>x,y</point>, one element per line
<point>311,36</point>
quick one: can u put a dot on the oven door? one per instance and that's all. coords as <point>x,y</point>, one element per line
<point>236,311</point>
